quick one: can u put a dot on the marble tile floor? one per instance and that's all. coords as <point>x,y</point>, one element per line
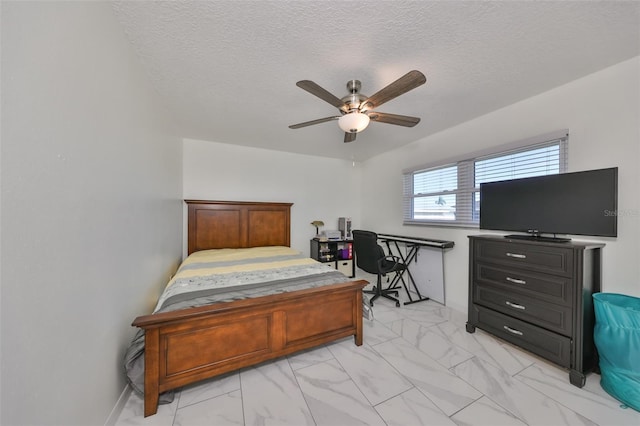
<point>417,366</point>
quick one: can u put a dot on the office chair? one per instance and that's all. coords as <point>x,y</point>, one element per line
<point>370,257</point>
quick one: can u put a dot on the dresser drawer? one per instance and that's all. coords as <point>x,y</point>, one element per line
<point>548,315</point>
<point>552,260</point>
<point>551,288</point>
<point>549,345</point>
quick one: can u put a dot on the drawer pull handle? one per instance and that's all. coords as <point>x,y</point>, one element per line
<point>516,280</point>
<point>517,255</point>
<point>514,305</point>
<point>512,330</point>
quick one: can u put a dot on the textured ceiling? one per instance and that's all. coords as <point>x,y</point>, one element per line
<point>228,69</point>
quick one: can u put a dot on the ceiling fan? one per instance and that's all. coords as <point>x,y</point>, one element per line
<point>357,109</point>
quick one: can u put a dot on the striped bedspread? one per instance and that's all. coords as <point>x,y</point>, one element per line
<point>223,275</point>
<point>232,274</point>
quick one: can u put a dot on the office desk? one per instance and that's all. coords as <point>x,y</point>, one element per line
<point>426,287</point>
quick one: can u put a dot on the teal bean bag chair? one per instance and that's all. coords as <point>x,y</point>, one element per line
<point>617,338</point>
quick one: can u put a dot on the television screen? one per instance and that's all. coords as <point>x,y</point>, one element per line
<point>580,203</point>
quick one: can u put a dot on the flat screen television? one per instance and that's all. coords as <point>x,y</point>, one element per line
<point>580,203</point>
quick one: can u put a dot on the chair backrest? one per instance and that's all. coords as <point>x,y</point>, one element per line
<point>367,250</point>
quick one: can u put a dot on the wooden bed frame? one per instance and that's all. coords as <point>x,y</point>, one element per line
<point>189,345</point>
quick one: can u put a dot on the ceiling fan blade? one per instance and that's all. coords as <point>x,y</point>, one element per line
<point>312,122</point>
<point>399,120</point>
<point>407,82</point>
<point>349,137</point>
<point>318,91</point>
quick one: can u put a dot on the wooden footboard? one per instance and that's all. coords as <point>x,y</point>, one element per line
<point>189,345</point>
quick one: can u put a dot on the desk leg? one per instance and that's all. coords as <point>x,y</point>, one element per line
<point>410,257</point>
<point>413,256</point>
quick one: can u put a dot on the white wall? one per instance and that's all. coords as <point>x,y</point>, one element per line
<point>602,113</point>
<point>320,188</point>
<point>91,210</point>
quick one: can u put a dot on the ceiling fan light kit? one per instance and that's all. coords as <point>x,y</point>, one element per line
<point>356,109</point>
<point>353,122</point>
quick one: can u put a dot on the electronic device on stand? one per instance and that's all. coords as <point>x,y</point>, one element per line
<point>344,226</point>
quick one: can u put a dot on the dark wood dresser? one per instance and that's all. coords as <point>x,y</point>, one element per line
<point>537,295</point>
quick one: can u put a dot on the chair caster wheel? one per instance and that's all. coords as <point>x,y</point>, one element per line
<point>397,304</point>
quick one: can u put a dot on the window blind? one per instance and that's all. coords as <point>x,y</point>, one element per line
<point>448,194</point>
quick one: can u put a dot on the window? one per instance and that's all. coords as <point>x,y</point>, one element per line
<point>448,193</point>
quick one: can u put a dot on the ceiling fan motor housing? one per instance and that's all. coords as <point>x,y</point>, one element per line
<point>355,100</point>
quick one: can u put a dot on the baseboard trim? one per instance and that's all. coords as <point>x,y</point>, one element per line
<point>117,409</point>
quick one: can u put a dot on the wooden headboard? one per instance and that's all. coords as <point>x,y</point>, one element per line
<point>237,224</point>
